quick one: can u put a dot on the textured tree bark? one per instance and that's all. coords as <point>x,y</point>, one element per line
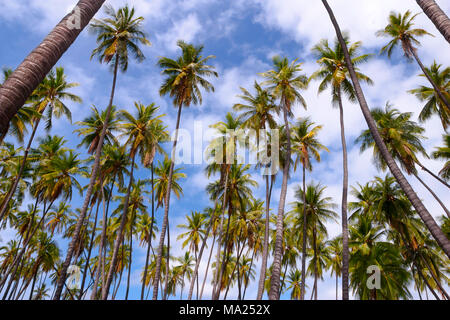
<point>437,16</point>
<point>278,251</point>
<point>19,86</point>
<point>426,217</point>
<point>262,276</point>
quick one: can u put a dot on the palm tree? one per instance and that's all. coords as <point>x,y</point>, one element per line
<point>137,130</point>
<point>305,144</point>
<point>368,250</point>
<point>402,137</point>
<point>400,29</point>
<point>117,35</point>
<point>185,268</point>
<point>334,73</point>
<point>48,97</point>
<point>444,154</point>
<point>294,282</point>
<point>434,104</point>
<point>437,16</point>
<point>92,126</point>
<point>257,113</point>
<point>194,235</point>
<point>318,209</point>
<point>284,82</point>
<point>431,224</point>
<point>25,79</point>
<point>183,78</point>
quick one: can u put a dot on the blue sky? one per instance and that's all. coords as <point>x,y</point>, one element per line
<point>244,36</point>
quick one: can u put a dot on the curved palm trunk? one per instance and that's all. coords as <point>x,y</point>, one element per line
<point>166,210</point>
<point>95,170</point>
<point>21,83</point>
<point>120,234</point>
<point>428,220</point>
<point>427,75</point>
<point>262,275</point>
<point>345,254</point>
<point>207,266</point>
<point>147,257</point>
<point>433,194</point>
<point>437,16</point>
<point>315,263</point>
<point>13,188</point>
<point>278,251</point>
<point>303,284</point>
<point>131,259</point>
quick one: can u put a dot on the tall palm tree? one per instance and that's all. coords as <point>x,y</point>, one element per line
<point>434,105</point>
<point>318,208</point>
<point>402,137</point>
<point>444,154</point>
<point>257,112</point>
<point>284,81</point>
<point>137,130</point>
<point>437,16</point>
<point>431,224</point>
<point>26,78</point>
<point>334,73</point>
<point>49,97</point>
<point>117,35</point>
<point>305,145</point>
<point>400,29</point>
<point>194,235</point>
<point>184,76</point>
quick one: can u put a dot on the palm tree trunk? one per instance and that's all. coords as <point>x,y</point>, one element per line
<point>91,245</point>
<point>207,266</point>
<point>437,16</point>
<point>131,258</point>
<point>147,257</point>
<point>436,280</point>
<point>433,175</point>
<point>433,194</point>
<point>345,253</point>
<point>166,280</point>
<point>304,237</point>
<point>247,279</point>
<point>95,170</point>
<point>262,275</point>
<point>431,224</point>
<point>30,73</point>
<point>101,261</point>
<point>13,188</point>
<point>222,218</point>
<point>166,210</point>
<point>120,233</point>
<point>278,251</point>
<point>427,75</point>
<point>315,262</point>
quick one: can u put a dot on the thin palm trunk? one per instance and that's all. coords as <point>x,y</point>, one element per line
<point>120,233</point>
<point>147,257</point>
<point>91,245</point>
<point>166,210</point>
<point>345,252</point>
<point>166,280</point>
<point>30,73</point>
<point>207,266</point>
<point>433,194</point>
<point>95,170</point>
<point>315,263</point>
<point>262,275</point>
<point>278,251</point>
<point>427,75</point>
<point>304,237</point>
<point>433,175</point>
<point>437,16</point>
<point>131,259</point>
<point>428,220</point>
